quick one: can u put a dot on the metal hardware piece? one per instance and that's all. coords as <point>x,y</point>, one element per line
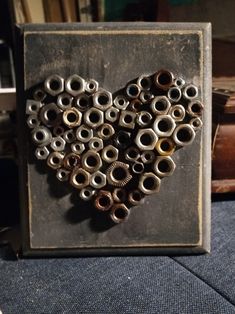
<point>160,105</point>
<point>79,178</point>
<point>174,94</point>
<point>71,161</point>
<point>132,90</point>
<point>135,105</point>
<point>91,86</point>
<point>195,108</point>
<point>58,130</point>
<point>32,121</point>
<point>72,117</point>
<point>75,85</point>
<point>164,125</point>
<point>109,154</point>
<point>39,94</point>
<point>190,92</point>
<point>103,200</point>
<point>55,160</point>
<point>119,213</point>
<point>146,139</point>
<point>183,135</point>
<point>135,197</point>
<point>84,134</point>
<point>119,195</point>
<point>105,131</point>
<point>41,136</point>
<point>91,161</point>
<point>33,106</point>
<point>149,183</point>
<point>120,102</point>
<point>93,117</point>
<point>82,102</point>
<point>137,167</point>
<point>96,144</point>
<point>50,115</point>
<point>146,96</point>
<point>42,153</point>
<point>64,101</point>
<point>127,119</point>
<point>118,174</point>
<point>164,79</point>
<point>102,99</point>
<point>144,82</point>
<point>69,136</point>
<point>143,118</point>
<point>54,85</point>
<point>177,112</point>
<point>77,147</point>
<point>58,143</point>
<point>179,82</point>
<point>196,123</point>
<point>112,114</point>
<point>164,166</point>
<point>148,157</point>
<point>86,193</point>
<point>123,139</point>
<point>62,174</point>
<point>165,146</point>
<point>98,180</point>
<point>132,153</point>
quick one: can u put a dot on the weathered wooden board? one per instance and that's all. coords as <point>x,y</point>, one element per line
<point>174,221</point>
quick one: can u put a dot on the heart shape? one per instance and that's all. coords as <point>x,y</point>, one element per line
<point>114,149</point>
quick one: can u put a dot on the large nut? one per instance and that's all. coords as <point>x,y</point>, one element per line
<point>109,153</point>
<point>164,166</point>
<point>62,174</point>
<point>127,119</point>
<point>105,131</point>
<point>144,82</point>
<point>102,99</point>
<point>144,118</point>
<point>55,160</point>
<point>195,108</point>
<point>78,148</point>
<point>92,86</point>
<point>112,114</point>
<point>94,117</point>
<point>79,178</point>
<point>118,174</point>
<point>146,139</point>
<point>165,146</point>
<point>64,101</point>
<point>87,193</point>
<point>121,102</point>
<point>149,183</point>
<point>33,106</point>
<point>41,153</point>
<point>103,200</point>
<point>183,135</point>
<point>164,79</point>
<point>119,213</point>
<point>132,90</point>
<point>190,92</point>
<point>71,161</point>
<point>98,180</point>
<point>58,143</point>
<point>75,85</point>
<point>177,112</point>
<point>72,117</point>
<point>83,102</point>
<point>174,94</point>
<point>160,105</point>
<point>32,121</point>
<point>69,136</point>
<point>164,126</point>
<point>41,136</point>
<point>50,115</point>
<point>96,144</point>
<point>91,161</point>
<point>54,85</point>
<point>84,134</point>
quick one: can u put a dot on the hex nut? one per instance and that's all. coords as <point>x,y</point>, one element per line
<point>148,157</point>
<point>149,183</point>
<point>138,167</point>
<point>144,82</point>
<point>135,105</point>
<point>135,197</point>
<point>190,92</point>
<point>102,99</point>
<point>98,180</point>
<point>71,161</point>
<point>163,79</point>
<point>174,94</point>
<point>92,86</point>
<point>146,139</point>
<point>177,112</point>
<point>146,96</point>
<point>118,174</point>
<point>33,106</point>
<point>84,134</point>
<point>196,123</point>
<point>160,105</point>
<point>195,108</point>
<point>109,154</point>
<point>64,101</point>
<point>112,114</point>
<point>132,90</point>
<point>79,178</point>
<point>87,193</point>
<point>119,195</point>
<point>96,144</point>
<point>58,143</point>
<point>42,153</point>
<point>119,213</point>
<point>41,136</point>
<point>103,200</point>
<point>144,118</point>
<point>120,102</point>
<point>94,117</point>
<point>83,102</point>
<point>105,131</point>
<point>164,166</point>
<point>165,146</point>
<point>132,153</point>
<point>55,160</point>
<point>32,121</point>
<point>69,136</point>
<point>179,82</point>
<point>164,125</point>
<point>54,85</point>
<point>50,115</point>
<point>72,117</point>
<point>183,135</point>
<point>77,147</point>
<point>91,161</point>
<point>58,130</point>
<point>75,85</point>
<point>127,119</point>
<point>39,94</point>
<point>62,174</point>
<point>123,139</point>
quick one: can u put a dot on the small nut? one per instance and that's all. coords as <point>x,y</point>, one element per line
<point>183,135</point>
<point>118,174</point>
<point>146,96</point>
<point>33,106</point>
<point>96,144</point>
<point>121,102</point>
<point>109,153</point>
<point>50,115</point>
<point>78,148</point>
<point>165,146</point>
<point>69,136</point>
<point>135,197</point>
<point>98,180</point>
<point>135,105</point>
<point>138,167</point>
<point>177,112</point>
<point>94,118</point>
<point>58,130</point>
<point>174,94</point>
<point>132,153</point>
<point>196,123</point>
<point>71,161</point>
<point>132,90</point>
<point>41,153</point>
<point>119,195</point>
<point>146,139</point>
<point>84,134</point>
<point>83,102</point>
<point>39,94</point>
<point>164,166</point>
<point>62,174</point>
<point>87,193</point>
<point>41,136</point>
<point>103,200</point>
<point>164,79</point>
<point>119,213</point>
<point>148,157</point>
<point>179,82</point>
<point>190,92</point>
<point>55,160</point>
<point>102,99</point>
<point>79,178</point>
<point>144,82</point>
<point>123,139</point>
<point>32,121</point>
<point>75,85</point>
<point>91,161</point>
<point>105,131</point>
<point>144,118</point>
<point>112,114</point>
<point>58,143</point>
<point>64,101</point>
<point>160,105</point>
<point>54,85</point>
<point>195,108</point>
<point>92,86</point>
<point>164,126</point>
<point>127,119</point>
<point>149,183</point>
<point>72,117</point>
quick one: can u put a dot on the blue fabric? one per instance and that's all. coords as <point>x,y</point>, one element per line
<point>190,284</point>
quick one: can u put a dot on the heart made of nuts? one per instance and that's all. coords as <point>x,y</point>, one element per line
<point>113,148</point>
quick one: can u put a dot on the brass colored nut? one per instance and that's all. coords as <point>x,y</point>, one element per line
<point>112,114</point>
<point>42,153</point>
<point>75,85</point>
<point>119,213</point>
<point>94,117</point>
<point>149,183</point>
<point>50,115</point>
<point>190,92</point>
<point>144,82</point>
<point>58,143</point>
<point>72,117</point>
<point>62,174</point>
<point>148,157</point>
<point>119,195</point>
<point>135,197</point>
<point>105,131</point>
<point>118,174</point>
<point>41,136</point>
<point>33,106</point>
<point>133,90</point>
<point>177,112</point>
<point>146,139</point>
<point>160,105</point>
<point>91,161</point>
<point>79,178</point>
<point>164,79</point>
<point>98,180</point>
<point>64,101</point>
<point>87,193</point>
<point>165,146</point>
<point>196,123</point>
<point>183,135</point>
<point>174,94</point>
<point>164,126</point>
<point>102,99</point>
<point>69,136</point>
<point>120,102</point>
<point>109,154</point>
<point>103,200</point>
<point>96,144</point>
<point>84,134</point>
<point>78,148</point>
<point>71,160</point>
<point>92,86</point>
<point>32,121</point>
<point>83,102</point>
<point>195,108</point>
<point>127,119</point>
<point>55,160</point>
<point>164,166</point>
<point>54,85</point>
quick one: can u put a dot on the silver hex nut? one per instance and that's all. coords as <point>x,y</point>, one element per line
<point>109,154</point>
<point>98,180</point>
<point>127,119</point>
<point>75,85</point>
<point>164,166</point>
<point>102,99</point>
<point>160,105</point>
<point>93,117</point>
<point>112,114</point>
<point>42,153</point>
<point>146,139</point>
<point>149,183</point>
<point>120,102</point>
<point>79,178</point>
<point>54,85</point>
<point>96,144</point>
<point>92,86</point>
<point>84,134</point>
<point>33,106</point>
<point>58,143</point>
<point>77,148</point>
<point>164,125</point>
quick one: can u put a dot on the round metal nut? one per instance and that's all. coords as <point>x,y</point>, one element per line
<point>77,147</point>
<point>143,118</point>
<point>64,101</point>
<point>146,139</point>
<point>75,85</point>
<point>91,161</point>
<point>120,102</point>
<point>164,166</point>
<point>118,174</point>
<point>164,79</point>
<point>146,96</point>
<point>50,115</point>
<point>83,102</point>
<point>32,121</point>
<point>183,135</point>
<point>58,143</point>
<point>195,108</point>
<point>109,154</point>
<point>119,213</point>
<point>196,123</point>
<point>39,94</point>
<point>69,136</point>
<point>123,139</point>
<point>103,200</point>
<point>98,180</point>
<point>41,153</point>
<point>62,174</point>
<point>135,197</point>
<point>112,114</point>
<point>92,86</point>
<point>72,117</point>
<point>149,183</point>
<point>41,136</point>
<point>135,105</point>
<point>94,117</point>
<point>105,131</point>
<point>119,195</point>
<point>164,126</point>
<point>127,119</point>
<point>58,130</point>
<point>177,112</point>
<point>133,90</point>
<point>138,167</point>
<point>79,178</point>
<point>33,106</point>
<point>55,160</point>
<point>144,82</point>
<point>87,193</point>
<point>132,153</point>
<point>148,157</point>
<point>165,146</point>
<point>54,85</point>
<point>174,94</point>
<point>71,161</point>
<point>102,99</point>
<point>179,82</point>
<point>190,92</point>
<point>96,144</point>
<point>160,105</point>
<point>84,134</point>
